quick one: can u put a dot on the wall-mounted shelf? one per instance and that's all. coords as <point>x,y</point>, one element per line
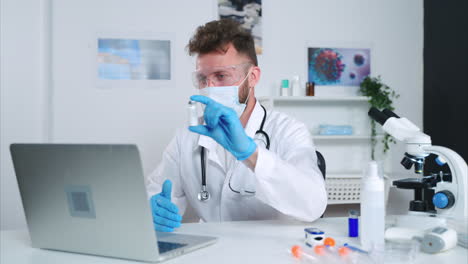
<point>314,98</point>
<point>344,137</point>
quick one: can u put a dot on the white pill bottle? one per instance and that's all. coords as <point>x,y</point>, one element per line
<point>192,110</point>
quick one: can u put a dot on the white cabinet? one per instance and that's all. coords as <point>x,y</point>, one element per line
<point>345,156</point>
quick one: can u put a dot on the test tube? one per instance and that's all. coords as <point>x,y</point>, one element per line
<point>327,253</point>
<point>192,113</point>
<point>347,255</point>
<point>298,253</point>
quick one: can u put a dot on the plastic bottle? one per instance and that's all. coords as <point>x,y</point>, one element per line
<point>295,86</point>
<point>372,209</point>
<point>285,88</point>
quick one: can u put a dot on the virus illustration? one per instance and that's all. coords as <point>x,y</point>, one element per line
<point>326,66</point>
<point>359,59</point>
<point>352,75</point>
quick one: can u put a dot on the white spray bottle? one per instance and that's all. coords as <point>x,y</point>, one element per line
<point>372,209</point>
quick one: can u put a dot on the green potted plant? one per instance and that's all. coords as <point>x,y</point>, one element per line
<point>380,96</point>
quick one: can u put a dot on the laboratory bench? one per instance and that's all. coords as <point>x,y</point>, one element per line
<point>239,242</point>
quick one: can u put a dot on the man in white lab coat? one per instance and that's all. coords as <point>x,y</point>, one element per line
<point>250,175</point>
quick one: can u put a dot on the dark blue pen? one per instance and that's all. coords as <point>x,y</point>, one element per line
<point>355,249</point>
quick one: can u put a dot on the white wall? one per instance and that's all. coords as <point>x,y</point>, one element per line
<point>133,111</point>
<point>22,95</point>
<point>148,116</point>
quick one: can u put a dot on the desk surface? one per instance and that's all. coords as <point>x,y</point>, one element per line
<point>239,242</point>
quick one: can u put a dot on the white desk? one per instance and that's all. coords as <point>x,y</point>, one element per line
<point>239,242</point>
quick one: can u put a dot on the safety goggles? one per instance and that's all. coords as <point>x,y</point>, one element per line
<point>220,76</point>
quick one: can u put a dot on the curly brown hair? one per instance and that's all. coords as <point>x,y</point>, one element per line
<point>217,34</point>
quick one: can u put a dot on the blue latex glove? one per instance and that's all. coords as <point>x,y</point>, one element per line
<point>165,213</point>
<point>223,125</point>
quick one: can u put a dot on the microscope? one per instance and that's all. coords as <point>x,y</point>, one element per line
<point>441,193</point>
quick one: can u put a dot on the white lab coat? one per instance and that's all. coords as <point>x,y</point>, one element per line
<point>286,180</point>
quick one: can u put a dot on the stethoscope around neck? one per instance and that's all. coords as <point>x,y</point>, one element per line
<point>204,195</point>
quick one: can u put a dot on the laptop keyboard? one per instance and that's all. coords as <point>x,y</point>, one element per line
<point>168,246</point>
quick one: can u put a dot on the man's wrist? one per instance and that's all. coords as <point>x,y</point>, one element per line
<point>251,148</point>
<point>251,161</point>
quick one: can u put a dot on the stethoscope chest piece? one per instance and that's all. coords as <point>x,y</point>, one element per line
<point>203,195</point>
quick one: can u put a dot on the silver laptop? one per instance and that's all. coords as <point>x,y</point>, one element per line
<point>92,199</point>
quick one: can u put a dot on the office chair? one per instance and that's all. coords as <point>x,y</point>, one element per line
<point>321,163</point>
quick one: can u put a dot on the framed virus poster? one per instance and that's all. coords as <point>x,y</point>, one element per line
<point>337,71</point>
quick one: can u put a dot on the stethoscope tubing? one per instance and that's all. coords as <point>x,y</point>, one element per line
<point>204,195</point>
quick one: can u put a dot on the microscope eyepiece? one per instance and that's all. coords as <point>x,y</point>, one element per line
<point>389,113</point>
<point>377,116</point>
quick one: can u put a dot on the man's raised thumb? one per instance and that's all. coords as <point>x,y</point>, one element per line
<point>166,189</point>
